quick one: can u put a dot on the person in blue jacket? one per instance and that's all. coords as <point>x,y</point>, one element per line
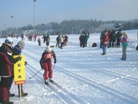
<point>17,50</point>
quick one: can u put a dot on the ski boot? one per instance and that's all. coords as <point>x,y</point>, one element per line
<point>0,100</point>
<point>23,94</point>
<point>11,95</point>
<point>46,82</point>
<point>51,80</point>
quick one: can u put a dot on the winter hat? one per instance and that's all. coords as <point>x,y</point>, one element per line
<point>9,40</point>
<point>21,44</point>
<point>83,32</point>
<point>48,49</point>
<point>124,34</point>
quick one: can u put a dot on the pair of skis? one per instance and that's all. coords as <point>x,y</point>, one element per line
<point>47,83</point>
<point>52,82</point>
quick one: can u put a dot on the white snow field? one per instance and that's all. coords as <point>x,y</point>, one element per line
<point>82,75</point>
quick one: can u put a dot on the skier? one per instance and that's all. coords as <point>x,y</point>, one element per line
<point>46,63</point>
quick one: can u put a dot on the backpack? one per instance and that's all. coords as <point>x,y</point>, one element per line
<point>94,45</point>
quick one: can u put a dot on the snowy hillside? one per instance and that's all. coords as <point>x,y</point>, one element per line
<point>82,75</point>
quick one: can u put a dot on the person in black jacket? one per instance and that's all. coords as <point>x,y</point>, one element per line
<point>17,50</point>
<point>118,37</point>
<point>47,40</point>
<point>6,62</point>
<point>58,41</point>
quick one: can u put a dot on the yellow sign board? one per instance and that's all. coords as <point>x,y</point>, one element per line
<point>19,71</point>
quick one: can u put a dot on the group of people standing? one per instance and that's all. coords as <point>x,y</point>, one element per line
<point>61,41</point>
<point>7,69</point>
<point>111,38</point>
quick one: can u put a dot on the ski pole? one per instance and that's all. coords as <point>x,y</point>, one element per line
<point>35,74</point>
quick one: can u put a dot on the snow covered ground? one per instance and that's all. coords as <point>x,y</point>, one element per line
<point>83,75</point>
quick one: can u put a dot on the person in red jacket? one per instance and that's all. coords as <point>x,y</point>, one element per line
<point>104,43</point>
<point>6,62</point>
<point>46,63</point>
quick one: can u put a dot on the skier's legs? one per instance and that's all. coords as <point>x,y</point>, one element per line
<point>45,71</point>
<point>50,70</point>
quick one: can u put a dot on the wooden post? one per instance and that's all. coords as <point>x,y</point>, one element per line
<point>20,91</point>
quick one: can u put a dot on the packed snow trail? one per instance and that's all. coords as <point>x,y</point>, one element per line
<point>82,75</point>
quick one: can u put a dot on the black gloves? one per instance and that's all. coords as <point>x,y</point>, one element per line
<point>55,61</point>
<point>18,58</point>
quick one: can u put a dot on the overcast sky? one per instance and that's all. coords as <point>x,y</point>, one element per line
<point>58,10</point>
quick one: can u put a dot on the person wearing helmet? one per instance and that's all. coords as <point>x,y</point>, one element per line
<point>6,62</point>
<point>46,63</point>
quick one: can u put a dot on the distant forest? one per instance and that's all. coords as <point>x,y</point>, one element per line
<point>70,27</point>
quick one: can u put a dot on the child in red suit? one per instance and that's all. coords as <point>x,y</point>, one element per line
<point>46,63</point>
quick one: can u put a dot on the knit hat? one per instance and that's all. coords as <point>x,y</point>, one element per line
<point>48,49</point>
<point>9,40</point>
<point>21,44</point>
<point>124,33</point>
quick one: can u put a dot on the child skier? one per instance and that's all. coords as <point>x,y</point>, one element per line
<point>46,63</point>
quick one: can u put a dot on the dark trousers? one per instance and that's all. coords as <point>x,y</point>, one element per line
<point>5,85</point>
<point>118,42</point>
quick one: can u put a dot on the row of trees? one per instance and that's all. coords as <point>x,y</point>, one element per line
<point>70,27</point>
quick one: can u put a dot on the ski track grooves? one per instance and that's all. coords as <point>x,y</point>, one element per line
<point>61,92</point>
<point>51,88</point>
<point>126,98</point>
<point>118,75</point>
